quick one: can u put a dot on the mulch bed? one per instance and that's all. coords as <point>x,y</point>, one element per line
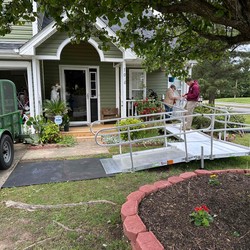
<point>166,213</point>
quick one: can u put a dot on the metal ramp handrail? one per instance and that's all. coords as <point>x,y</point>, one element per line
<point>160,124</point>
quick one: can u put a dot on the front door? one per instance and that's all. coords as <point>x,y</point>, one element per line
<point>76,95</point>
<point>80,90</point>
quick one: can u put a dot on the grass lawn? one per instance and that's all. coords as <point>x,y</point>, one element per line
<point>244,100</point>
<point>88,226</point>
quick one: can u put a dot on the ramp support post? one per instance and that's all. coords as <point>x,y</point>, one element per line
<point>130,151</point>
<point>202,157</point>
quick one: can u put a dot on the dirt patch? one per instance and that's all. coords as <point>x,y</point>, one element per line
<point>166,213</point>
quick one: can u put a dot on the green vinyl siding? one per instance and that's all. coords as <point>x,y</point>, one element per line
<point>19,33</point>
<point>158,81</point>
<point>107,85</point>
<point>50,46</point>
<point>82,54</point>
<point>113,51</point>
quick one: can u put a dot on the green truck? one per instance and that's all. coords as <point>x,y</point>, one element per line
<point>10,123</point>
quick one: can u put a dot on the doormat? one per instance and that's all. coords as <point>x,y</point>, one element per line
<point>31,173</point>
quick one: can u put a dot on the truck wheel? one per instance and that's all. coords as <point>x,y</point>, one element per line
<point>6,152</point>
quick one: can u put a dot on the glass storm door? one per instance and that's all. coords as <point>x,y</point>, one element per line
<point>76,95</point>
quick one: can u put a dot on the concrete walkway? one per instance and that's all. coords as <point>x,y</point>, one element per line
<point>81,149</point>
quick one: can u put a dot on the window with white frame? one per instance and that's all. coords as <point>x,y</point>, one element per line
<point>137,84</point>
<point>93,83</point>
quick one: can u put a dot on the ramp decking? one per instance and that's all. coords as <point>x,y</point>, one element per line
<point>197,145</point>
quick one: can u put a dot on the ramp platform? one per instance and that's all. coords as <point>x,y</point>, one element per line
<point>197,145</point>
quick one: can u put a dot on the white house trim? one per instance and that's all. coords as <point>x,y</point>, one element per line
<point>37,86</point>
<point>102,25</point>
<point>35,23</point>
<point>128,53</point>
<point>123,89</point>
<point>29,47</point>
<point>22,65</point>
<point>91,41</point>
<point>117,87</point>
<point>58,58</point>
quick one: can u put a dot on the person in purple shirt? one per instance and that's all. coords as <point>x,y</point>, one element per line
<point>192,97</point>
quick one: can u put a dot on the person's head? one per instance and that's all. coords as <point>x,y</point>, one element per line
<point>173,87</point>
<point>189,81</point>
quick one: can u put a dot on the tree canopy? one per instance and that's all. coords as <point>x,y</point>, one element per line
<point>166,33</point>
<point>227,77</point>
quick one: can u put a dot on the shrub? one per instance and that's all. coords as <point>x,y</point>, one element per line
<point>137,125</point>
<point>39,123</point>
<point>204,122</point>
<point>51,133</point>
<point>67,140</point>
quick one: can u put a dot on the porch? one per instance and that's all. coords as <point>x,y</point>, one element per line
<point>83,133</point>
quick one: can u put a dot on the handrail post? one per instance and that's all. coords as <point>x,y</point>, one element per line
<point>202,157</point>
<point>212,137</point>
<point>225,127</point>
<point>185,143</point>
<point>165,136</point>
<point>130,149</point>
<point>120,146</point>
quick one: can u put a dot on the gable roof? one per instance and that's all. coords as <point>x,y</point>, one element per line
<point>28,49</point>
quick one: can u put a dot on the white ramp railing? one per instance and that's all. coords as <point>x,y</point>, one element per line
<point>157,121</point>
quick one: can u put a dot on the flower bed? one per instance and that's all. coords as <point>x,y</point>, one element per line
<point>161,220</point>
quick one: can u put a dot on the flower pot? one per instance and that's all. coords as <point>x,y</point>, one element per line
<point>66,128</point>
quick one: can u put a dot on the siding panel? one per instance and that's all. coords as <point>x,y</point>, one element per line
<point>19,33</point>
<point>158,81</point>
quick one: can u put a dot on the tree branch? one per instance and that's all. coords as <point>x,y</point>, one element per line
<point>29,207</point>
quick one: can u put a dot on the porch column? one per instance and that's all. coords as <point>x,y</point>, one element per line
<point>37,86</point>
<point>123,90</point>
<point>30,89</point>
<point>117,88</point>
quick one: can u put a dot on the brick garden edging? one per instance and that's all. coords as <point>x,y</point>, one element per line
<point>133,227</point>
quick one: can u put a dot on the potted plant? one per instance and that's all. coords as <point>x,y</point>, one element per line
<point>54,108</point>
<point>66,122</point>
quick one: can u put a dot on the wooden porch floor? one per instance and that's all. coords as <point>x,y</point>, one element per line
<point>84,133</point>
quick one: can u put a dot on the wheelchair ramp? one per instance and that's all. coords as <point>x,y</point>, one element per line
<point>143,160</point>
<point>198,145</point>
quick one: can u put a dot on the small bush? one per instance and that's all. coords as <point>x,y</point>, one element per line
<point>67,140</point>
<point>204,122</point>
<point>137,125</point>
<point>51,133</point>
<point>38,123</point>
